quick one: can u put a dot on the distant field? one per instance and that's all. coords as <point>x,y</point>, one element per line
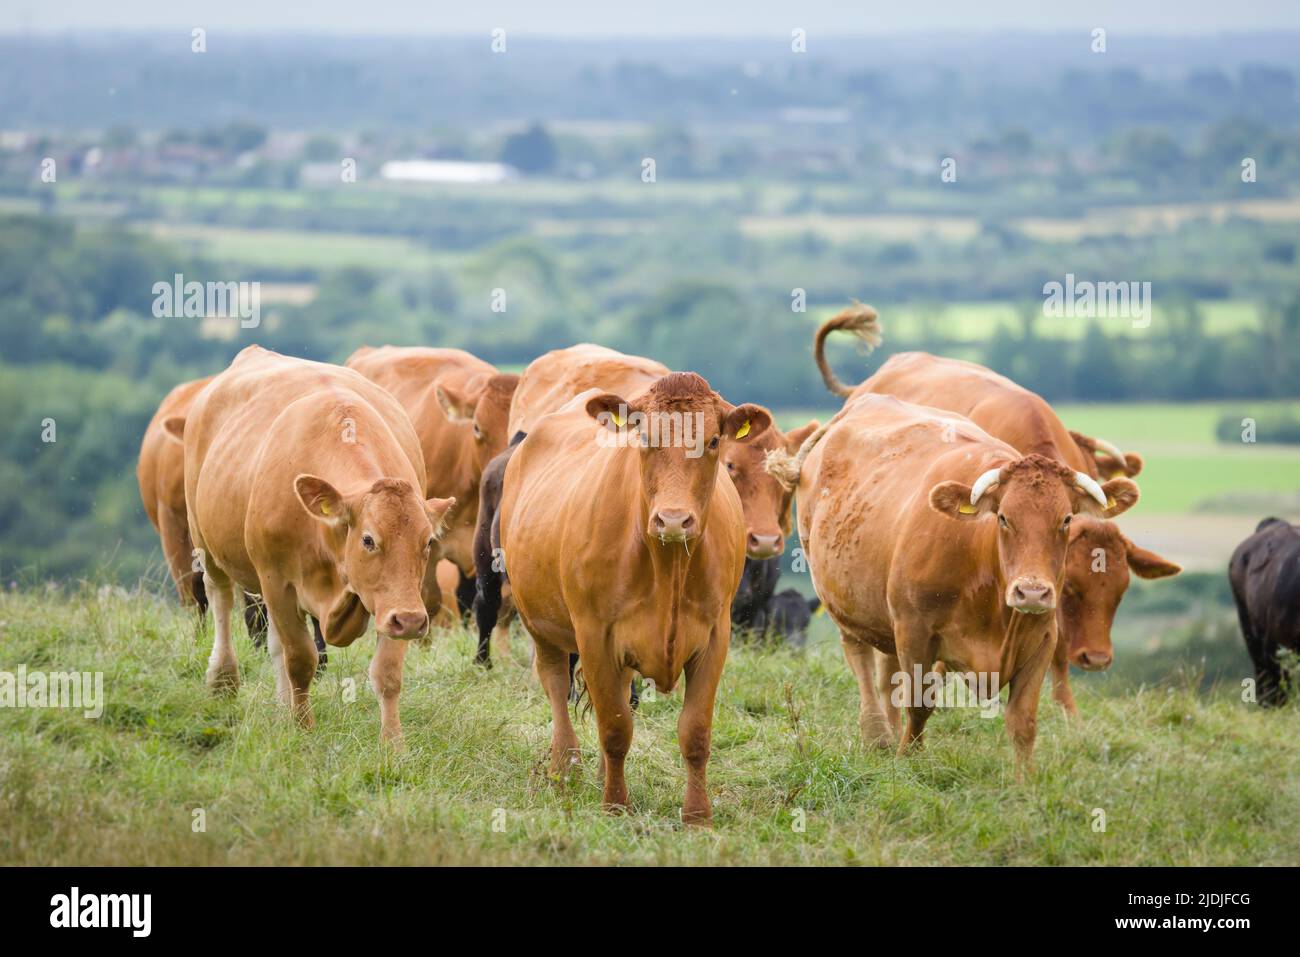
<point>288,249</point>
<point>976,322</point>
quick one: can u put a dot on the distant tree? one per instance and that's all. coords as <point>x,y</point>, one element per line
<point>1100,373</point>
<point>532,151</point>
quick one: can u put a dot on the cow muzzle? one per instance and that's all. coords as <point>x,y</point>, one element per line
<point>674,525</point>
<point>1030,596</point>
<point>763,546</point>
<point>405,625</point>
<point>1092,659</point>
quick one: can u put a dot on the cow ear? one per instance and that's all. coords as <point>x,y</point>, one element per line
<point>953,500</point>
<point>746,422</point>
<point>321,500</point>
<point>1113,467</point>
<point>174,428</point>
<point>609,410</point>
<point>437,509</point>
<point>1121,495</point>
<point>456,404</point>
<point>796,438</point>
<point>1147,564</point>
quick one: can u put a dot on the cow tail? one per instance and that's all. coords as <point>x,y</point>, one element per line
<point>860,320</point>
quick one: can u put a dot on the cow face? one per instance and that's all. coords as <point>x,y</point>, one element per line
<point>1034,501</point>
<point>677,427</point>
<point>483,405</point>
<point>765,501</point>
<point>1097,565</point>
<point>381,538</point>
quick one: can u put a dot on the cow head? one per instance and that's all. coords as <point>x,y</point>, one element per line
<point>765,500</point>
<point>1097,565</point>
<point>482,403</point>
<point>678,426</point>
<point>1034,501</point>
<point>381,537</point>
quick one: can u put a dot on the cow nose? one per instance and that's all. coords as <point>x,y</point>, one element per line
<point>674,524</point>
<point>407,624</point>
<point>1091,659</point>
<point>763,546</point>
<point>1032,597</point>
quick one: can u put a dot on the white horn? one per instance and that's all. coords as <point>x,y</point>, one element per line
<point>982,484</point>
<point>1104,446</point>
<point>1089,485</point>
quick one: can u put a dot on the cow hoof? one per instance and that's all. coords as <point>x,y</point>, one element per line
<point>698,817</point>
<point>222,682</point>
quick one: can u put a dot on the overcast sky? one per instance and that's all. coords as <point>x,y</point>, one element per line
<point>649,18</point>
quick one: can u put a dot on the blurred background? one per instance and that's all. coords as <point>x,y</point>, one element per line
<point>382,169</point>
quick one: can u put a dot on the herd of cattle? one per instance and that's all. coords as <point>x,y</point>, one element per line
<point>630,516</point>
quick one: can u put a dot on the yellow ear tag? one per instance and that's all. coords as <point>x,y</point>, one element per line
<point>1110,502</point>
<point>967,509</point>
<point>324,508</point>
<point>743,430</point>
<point>618,419</point>
<point>821,610</point>
<point>1116,475</point>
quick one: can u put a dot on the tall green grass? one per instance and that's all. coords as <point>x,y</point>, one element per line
<point>1181,777</point>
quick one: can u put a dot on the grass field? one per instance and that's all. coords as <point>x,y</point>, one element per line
<point>1181,778</point>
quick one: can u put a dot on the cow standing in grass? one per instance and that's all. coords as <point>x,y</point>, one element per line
<point>304,483</point>
<point>628,551</point>
<point>458,405</point>
<point>929,540</point>
<point>1099,558</point>
<point>1265,576</point>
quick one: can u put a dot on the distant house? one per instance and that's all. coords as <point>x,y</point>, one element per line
<point>446,171</point>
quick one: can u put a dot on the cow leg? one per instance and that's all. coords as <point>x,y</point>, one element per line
<point>695,724</point>
<point>1061,680</point>
<point>1268,671</point>
<point>608,683</point>
<point>255,619</point>
<point>872,723</point>
<point>886,667</point>
<point>174,531</point>
<point>466,590</point>
<point>552,666</point>
<point>292,650</point>
<point>916,646</point>
<point>223,668</point>
<point>386,678</point>
<point>1022,701</point>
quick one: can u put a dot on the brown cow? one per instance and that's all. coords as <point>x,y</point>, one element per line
<point>1100,557</point>
<point>161,474</point>
<point>928,539</point>
<point>553,379</point>
<point>627,550</point>
<point>459,405</point>
<point>304,484</point>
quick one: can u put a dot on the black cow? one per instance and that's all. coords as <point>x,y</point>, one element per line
<point>489,574</point>
<point>760,611</point>
<point>1265,576</point>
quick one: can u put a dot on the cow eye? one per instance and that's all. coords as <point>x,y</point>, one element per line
<point>1066,524</point>
<point>713,444</point>
<point>1002,520</point>
<point>478,433</point>
<point>731,466</point>
<point>368,542</point>
<point>428,546</point>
